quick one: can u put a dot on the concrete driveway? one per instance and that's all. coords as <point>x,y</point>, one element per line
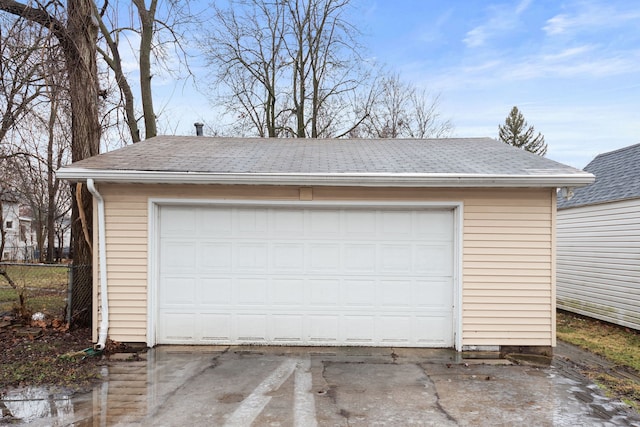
<point>271,386</point>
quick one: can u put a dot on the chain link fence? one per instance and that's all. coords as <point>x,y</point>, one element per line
<point>61,291</point>
<point>80,295</point>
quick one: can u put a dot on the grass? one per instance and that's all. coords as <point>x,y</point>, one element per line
<point>44,288</point>
<point>617,344</point>
<point>39,275</point>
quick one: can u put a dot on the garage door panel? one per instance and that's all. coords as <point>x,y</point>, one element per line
<point>396,293</point>
<point>358,329</point>
<point>287,327</point>
<point>215,291</point>
<point>251,257</point>
<point>178,256</point>
<point>216,327</point>
<point>433,294</point>
<point>250,291</point>
<point>395,259</point>
<point>433,225</point>
<point>214,256</point>
<point>393,329</point>
<point>179,291</point>
<point>359,258</point>
<point>359,293</point>
<point>395,224</point>
<point>251,223</point>
<point>433,260</point>
<point>287,258</point>
<point>288,222</point>
<point>217,223</point>
<point>359,224</point>
<point>288,292</point>
<point>178,326</point>
<point>251,328</point>
<point>324,292</point>
<point>323,224</point>
<point>432,330</point>
<point>322,328</point>
<point>323,257</point>
<point>178,221</point>
<point>307,277</point>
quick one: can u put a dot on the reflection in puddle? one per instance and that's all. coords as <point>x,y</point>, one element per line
<point>123,398</point>
<point>31,403</point>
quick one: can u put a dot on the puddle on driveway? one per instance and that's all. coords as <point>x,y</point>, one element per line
<point>120,399</point>
<point>35,403</point>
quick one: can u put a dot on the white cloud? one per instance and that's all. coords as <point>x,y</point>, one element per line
<point>589,16</point>
<point>476,37</point>
<point>503,18</point>
<point>567,53</point>
<point>522,6</point>
<point>434,32</point>
<point>586,61</point>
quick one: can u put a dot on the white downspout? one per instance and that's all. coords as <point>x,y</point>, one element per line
<point>102,263</point>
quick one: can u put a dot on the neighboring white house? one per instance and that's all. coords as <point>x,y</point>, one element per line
<point>598,242</point>
<point>20,240</point>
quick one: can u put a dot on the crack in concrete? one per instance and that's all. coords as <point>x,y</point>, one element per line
<point>435,392</point>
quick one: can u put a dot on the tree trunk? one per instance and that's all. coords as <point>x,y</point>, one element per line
<point>3,234</point>
<point>85,134</point>
<point>146,19</point>
<point>50,177</point>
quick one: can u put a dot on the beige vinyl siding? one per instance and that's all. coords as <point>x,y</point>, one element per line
<point>507,265</point>
<point>599,261</point>
<point>507,254</point>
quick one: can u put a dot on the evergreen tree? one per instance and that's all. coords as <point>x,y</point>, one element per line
<point>516,132</point>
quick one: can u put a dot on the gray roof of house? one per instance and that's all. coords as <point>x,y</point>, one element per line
<point>617,178</point>
<point>191,156</point>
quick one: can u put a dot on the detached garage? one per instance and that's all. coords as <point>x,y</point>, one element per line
<point>406,243</point>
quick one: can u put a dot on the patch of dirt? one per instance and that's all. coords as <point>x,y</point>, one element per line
<point>44,354</point>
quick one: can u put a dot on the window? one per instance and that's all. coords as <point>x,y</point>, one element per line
<point>9,224</point>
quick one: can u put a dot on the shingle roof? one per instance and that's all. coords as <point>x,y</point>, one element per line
<point>205,155</point>
<point>617,178</point>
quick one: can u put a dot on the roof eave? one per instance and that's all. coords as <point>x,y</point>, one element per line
<point>331,179</point>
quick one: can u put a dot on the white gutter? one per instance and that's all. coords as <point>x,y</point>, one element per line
<point>534,179</point>
<point>102,262</point>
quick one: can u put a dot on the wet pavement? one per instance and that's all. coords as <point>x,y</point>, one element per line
<point>274,386</point>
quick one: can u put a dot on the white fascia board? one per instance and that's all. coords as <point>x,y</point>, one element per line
<point>338,179</point>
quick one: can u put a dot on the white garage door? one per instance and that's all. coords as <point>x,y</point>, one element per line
<point>312,276</point>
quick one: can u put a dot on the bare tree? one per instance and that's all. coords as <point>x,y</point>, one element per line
<point>31,90</point>
<point>324,53</point>
<point>76,30</point>
<point>21,72</point>
<point>45,135</point>
<point>160,28</point>
<point>245,49</point>
<point>400,110</point>
<point>287,68</point>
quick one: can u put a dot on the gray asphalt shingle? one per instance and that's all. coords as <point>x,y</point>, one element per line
<point>617,178</point>
<point>331,156</point>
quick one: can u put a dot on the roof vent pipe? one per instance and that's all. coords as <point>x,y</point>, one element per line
<point>199,127</point>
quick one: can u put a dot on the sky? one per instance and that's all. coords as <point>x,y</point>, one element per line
<point>571,67</point>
